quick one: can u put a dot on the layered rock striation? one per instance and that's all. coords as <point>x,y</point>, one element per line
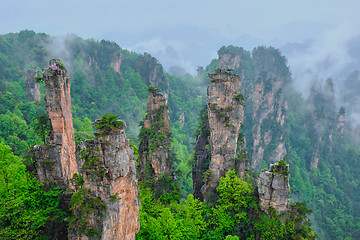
<point>57,159</point>
<point>102,175</point>
<point>107,165</point>
<point>225,112</point>
<point>274,188</point>
<point>264,79</point>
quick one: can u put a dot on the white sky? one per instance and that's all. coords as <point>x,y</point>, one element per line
<point>92,18</point>
<point>193,30</point>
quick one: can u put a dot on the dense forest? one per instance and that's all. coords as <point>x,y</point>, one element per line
<point>324,158</point>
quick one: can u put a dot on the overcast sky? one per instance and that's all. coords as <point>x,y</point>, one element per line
<point>185,32</point>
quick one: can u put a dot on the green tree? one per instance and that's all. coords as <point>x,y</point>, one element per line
<point>230,216</point>
<point>42,126</point>
<point>25,207</point>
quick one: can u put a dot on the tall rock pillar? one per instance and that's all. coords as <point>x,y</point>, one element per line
<point>225,114</point>
<point>155,153</point>
<point>58,158</point>
<point>274,188</point>
<point>107,165</point>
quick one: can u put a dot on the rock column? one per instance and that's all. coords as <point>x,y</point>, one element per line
<point>107,165</point>
<point>57,159</point>
<point>225,113</point>
<point>274,188</point>
<point>155,141</point>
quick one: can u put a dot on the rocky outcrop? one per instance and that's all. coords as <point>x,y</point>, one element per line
<point>202,155</point>
<point>31,86</point>
<point>102,175</point>
<point>152,73</point>
<point>225,114</point>
<point>116,63</point>
<point>60,149</point>
<point>264,78</point>
<point>155,153</point>
<point>107,165</point>
<point>269,106</point>
<point>274,188</point>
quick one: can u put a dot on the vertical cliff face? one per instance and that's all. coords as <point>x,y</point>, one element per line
<point>116,63</point>
<point>60,151</point>
<point>274,188</point>
<point>202,155</point>
<point>103,176</point>
<point>265,77</point>
<point>225,114</point>
<point>155,154</point>
<point>268,105</point>
<point>107,165</point>
<point>325,123</point>
<point>31,86</point>
<point>152,73</point>
<point>350,97</point>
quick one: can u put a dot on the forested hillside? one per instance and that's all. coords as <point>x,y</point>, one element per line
<point>317,139</point>
<point>278,122</point>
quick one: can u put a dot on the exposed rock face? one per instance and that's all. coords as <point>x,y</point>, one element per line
<point>152,73</point>
<point>155,142</point>
<point>202,155</point>
<point>274,188</point>
<point>340,123</point>
<point>225,113</point>
<point>269,109</point>
<point>325,122</point>
<point>230,61</point>
<point>31,86</point>
<point>182,117</point>
<point>61,149</point>
<point>113,179</point>
<point>106,163</point>
<point>264,77</point>
<point>116,63</point>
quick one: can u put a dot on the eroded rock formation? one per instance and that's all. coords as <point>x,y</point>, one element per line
<point>152,73</point>
<point>155,154</point>
<point>225,114</point>
<point>107,165</point>
<point>59,152</point>
<point>31,86</point>
<point>264,77</point>
<point>116,63</point>
<point>202,155</point>
<point>325,123</point>
<point>274,188</point>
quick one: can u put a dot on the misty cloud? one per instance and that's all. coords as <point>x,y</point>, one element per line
<point>323,57</point>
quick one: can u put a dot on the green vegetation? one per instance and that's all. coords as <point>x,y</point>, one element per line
<point>330,189</point>
<point>26,207</point>
<point>108,122</point>
<point>153,89</point>
<point>42,126</point>
<point>235,216</point>
<point>84,206</point>
<point>281,168</point>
